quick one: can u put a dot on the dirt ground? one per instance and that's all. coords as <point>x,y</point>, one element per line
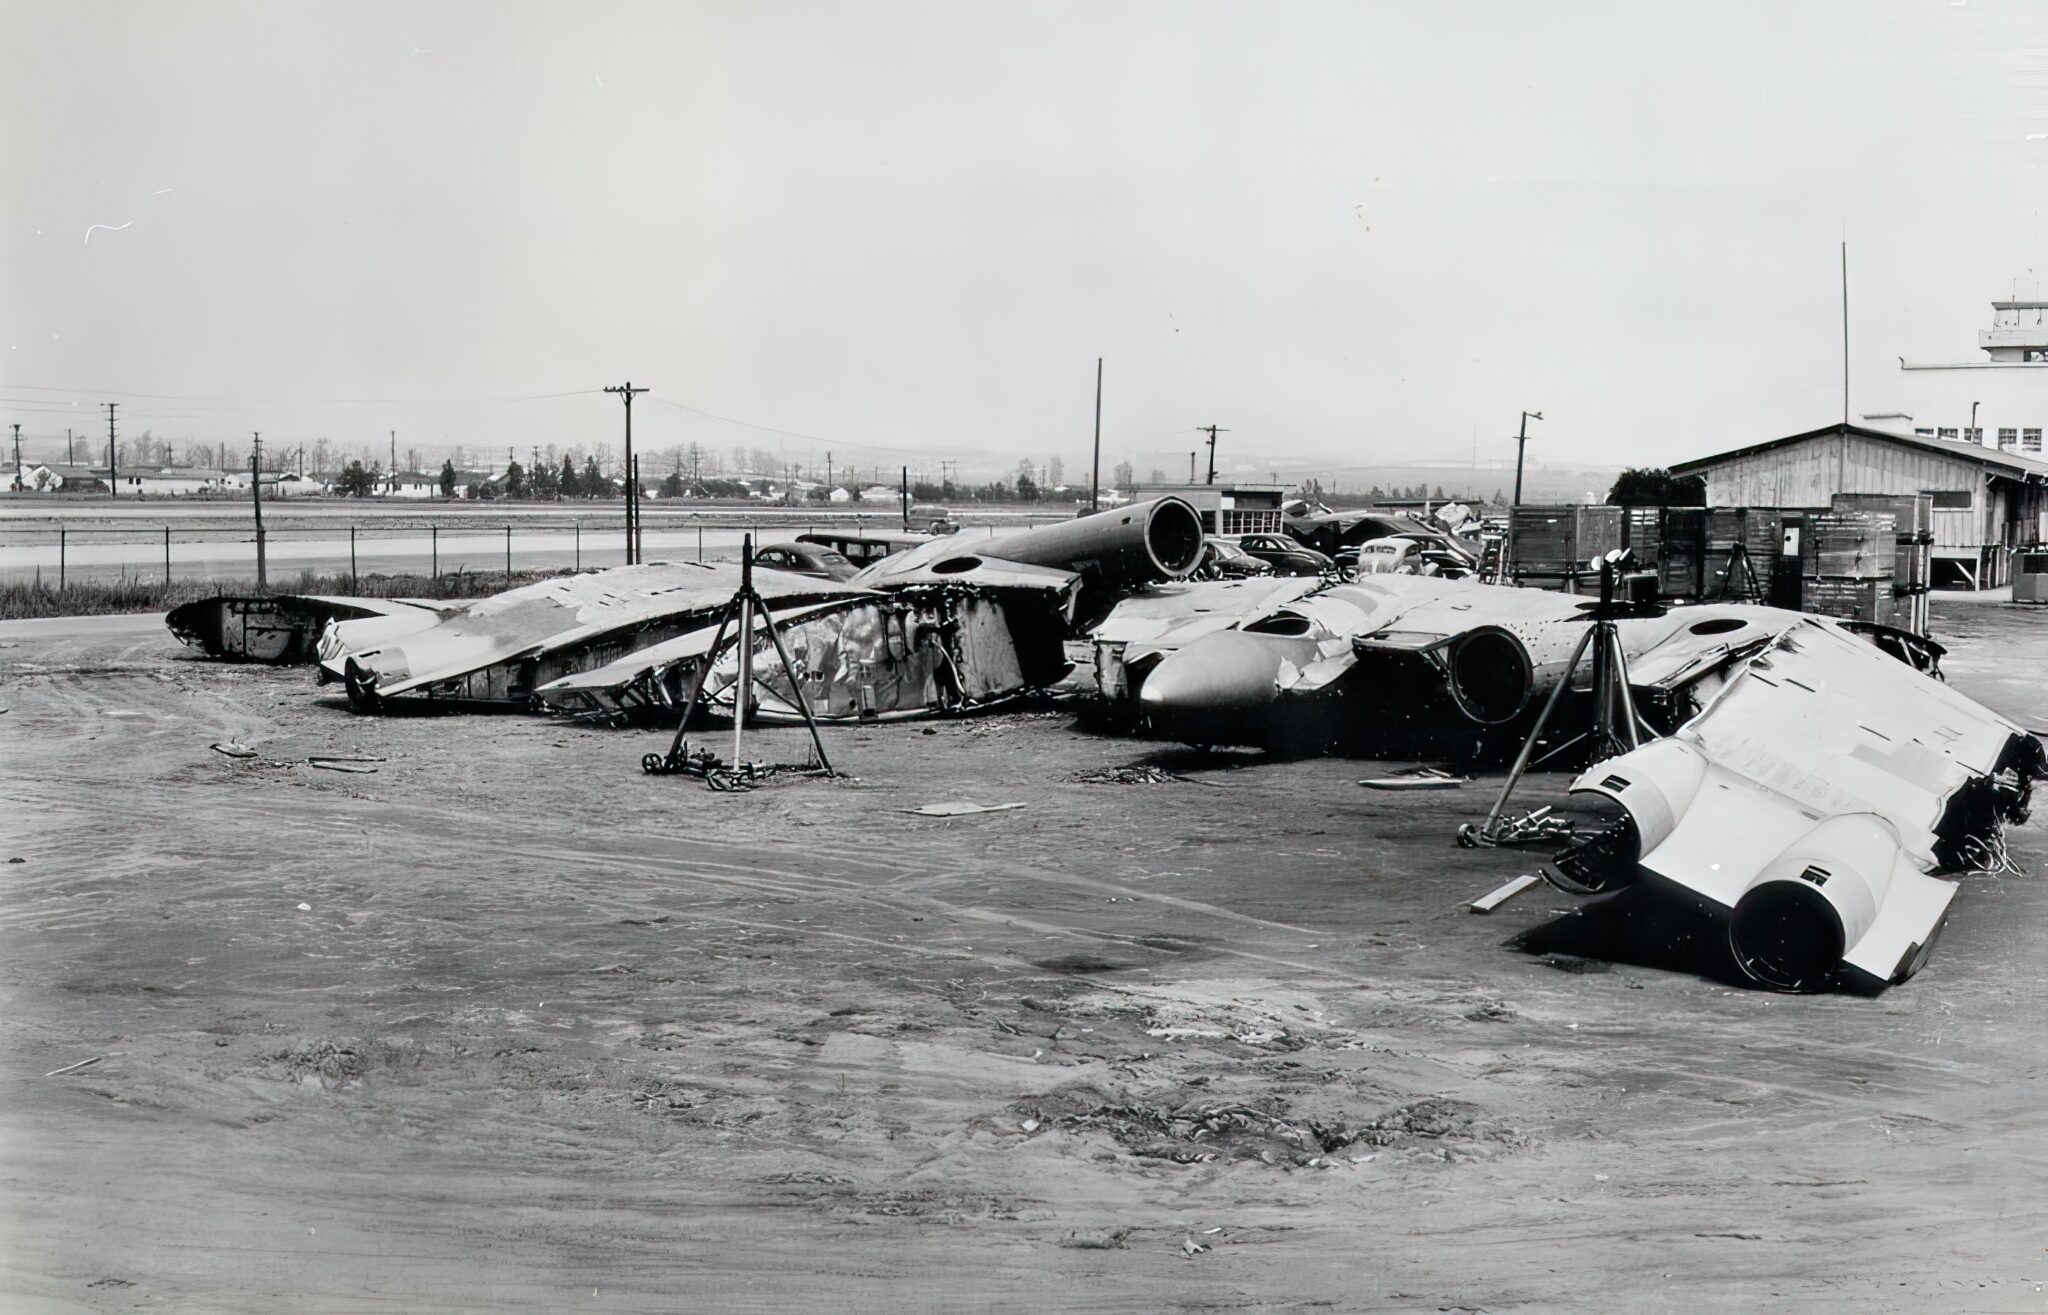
<point>506,1025</point>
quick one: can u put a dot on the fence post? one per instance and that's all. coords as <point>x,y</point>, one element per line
<point>60,556</point>
<point>167,554</point>
<point>579,545</point>
<point>700,541</point>
<point>353,585</point>
<point>435,531</point>
<point>508,551</point>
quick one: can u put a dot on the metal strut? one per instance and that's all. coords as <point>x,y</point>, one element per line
<point>1613,732</point>
<point>737,774</point>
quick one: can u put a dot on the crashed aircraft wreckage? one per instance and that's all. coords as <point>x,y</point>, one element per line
<point>499,650</point>
<point>283,629</point>
<point>1808,804</point>
<point>950,625</point>
<point>945,626</point>
<point>1396,661</point>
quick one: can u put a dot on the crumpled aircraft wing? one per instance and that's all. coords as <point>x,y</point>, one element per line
<point>551,615</point>
<point>1811,799</point>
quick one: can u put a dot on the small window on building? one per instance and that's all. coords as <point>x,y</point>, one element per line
<point>2036,356</point>
<point>1950,434</point>
<point>1924,433</point>
<point>1951,499</point>
<point>1974,436</point>
<point>2008,437</point>
<point>2030,439</point>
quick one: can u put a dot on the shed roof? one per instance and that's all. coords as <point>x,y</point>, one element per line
<point>2010,464</point>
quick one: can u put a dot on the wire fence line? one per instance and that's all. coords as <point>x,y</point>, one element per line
<point>207,549</point>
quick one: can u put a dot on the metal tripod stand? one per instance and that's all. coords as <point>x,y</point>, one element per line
<point>1614,729</point>
<point>737,773</point>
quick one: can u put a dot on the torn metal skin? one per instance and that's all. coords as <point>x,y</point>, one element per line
<point>500,650</point>
<point>1397,663</point>
<point>1807,806</point>
<point>283,629</point>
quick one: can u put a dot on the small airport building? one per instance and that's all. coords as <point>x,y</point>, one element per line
<point>1988,501</point>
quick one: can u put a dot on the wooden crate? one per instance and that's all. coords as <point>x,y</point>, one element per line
<point>1597,532</point>
<point>1643,534</point>
<point>1911,513</point>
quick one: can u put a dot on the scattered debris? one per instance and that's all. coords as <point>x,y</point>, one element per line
<point>960,809</point>
<point>1128,776</point>
<point>1190,1247</point>
<point>1416,778</point>
<point>1531,828</point>
<point>305,908</point>
<point>321,758</point>
<point>233,749</point>
<point>1489,902</point>
<point>341,765</point>
<point>73,1068</point>
<point>1112,1240</point>
<point>1493,1011</point>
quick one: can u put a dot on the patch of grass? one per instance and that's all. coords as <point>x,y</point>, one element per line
<point>105,597</point>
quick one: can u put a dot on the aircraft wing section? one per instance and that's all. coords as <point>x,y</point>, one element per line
<point>1810,801</point>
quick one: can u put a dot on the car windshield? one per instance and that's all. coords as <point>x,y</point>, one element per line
<point>833,559</point>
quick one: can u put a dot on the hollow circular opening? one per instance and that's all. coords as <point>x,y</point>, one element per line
<point>1786,935</point>
<point>1280,623</point>
<point>955,565</point>
<point>1719,625</point>
<point>1490,676</point>
<point>1173,533</point>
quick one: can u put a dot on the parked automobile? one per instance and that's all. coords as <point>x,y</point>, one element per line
<point>806,559</point>
<point>933,518</point>
<point>1285,555</point>
<point>1403,554</point>
<point>1224,560</point>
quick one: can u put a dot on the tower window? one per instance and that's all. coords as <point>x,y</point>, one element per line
<point>1950,434</point>
<point>2030,439</point>
<point>1974,436</point>
<point>2008,437</point>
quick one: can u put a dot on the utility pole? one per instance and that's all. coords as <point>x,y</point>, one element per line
<point>70,456</point>
<point>1213,431</point>
<point>256,501</point>
<point>1522,442</point>
<point>1095,463</point>
<point>17,459</point>
<point>1845,332</point>
<point>1191,467</point>
<point>906,497</point>
<point>1507,556</point>
<point>828,471</point>
<point>113,470</point>
<point>627,392</point>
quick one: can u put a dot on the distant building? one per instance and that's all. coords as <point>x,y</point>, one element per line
<point>169,481</point>
<point>1999,402</point>
<point>409,484</point>
<point>1229,509</point>
<point>1987,501</point>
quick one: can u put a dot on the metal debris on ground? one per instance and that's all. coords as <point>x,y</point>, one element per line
<point>1489,902</point>
<point>73,1068</point>
<point>1127,776</point>
<point>232,749</point>
<point>1531,828</point>
<point>343,764</point>
<point>960,809</point>
<point>1416,778</point>
<point>718,774</point>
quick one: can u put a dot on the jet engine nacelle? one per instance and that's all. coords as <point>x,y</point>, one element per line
<point>1815,902</point>
<point>1495,672</point>
<point>1119,549</point>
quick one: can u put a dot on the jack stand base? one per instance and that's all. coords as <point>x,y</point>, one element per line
<point>720,775</point>
<point>1531,828</point>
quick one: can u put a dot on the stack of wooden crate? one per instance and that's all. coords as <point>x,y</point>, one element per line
<point>1643,535</point>
<point>1912,550</point>
<point>1681,557</point>
<point>1849,558</point>
<point>1545,546</point>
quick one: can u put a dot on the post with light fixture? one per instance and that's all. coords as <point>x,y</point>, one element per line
<point>1507,555</point>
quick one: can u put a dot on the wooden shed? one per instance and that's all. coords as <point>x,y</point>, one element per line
<point>1987,502</point>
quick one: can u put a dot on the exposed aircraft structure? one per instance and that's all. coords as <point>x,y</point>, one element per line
<point>1809,802</point>
<point>501,649</point>
<point>282,629</point>
<point>953,644</point>
<point>1112,552</point>
<point>1391,658</point>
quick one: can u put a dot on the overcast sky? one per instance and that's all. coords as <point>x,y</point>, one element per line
<point>1352,232</point>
